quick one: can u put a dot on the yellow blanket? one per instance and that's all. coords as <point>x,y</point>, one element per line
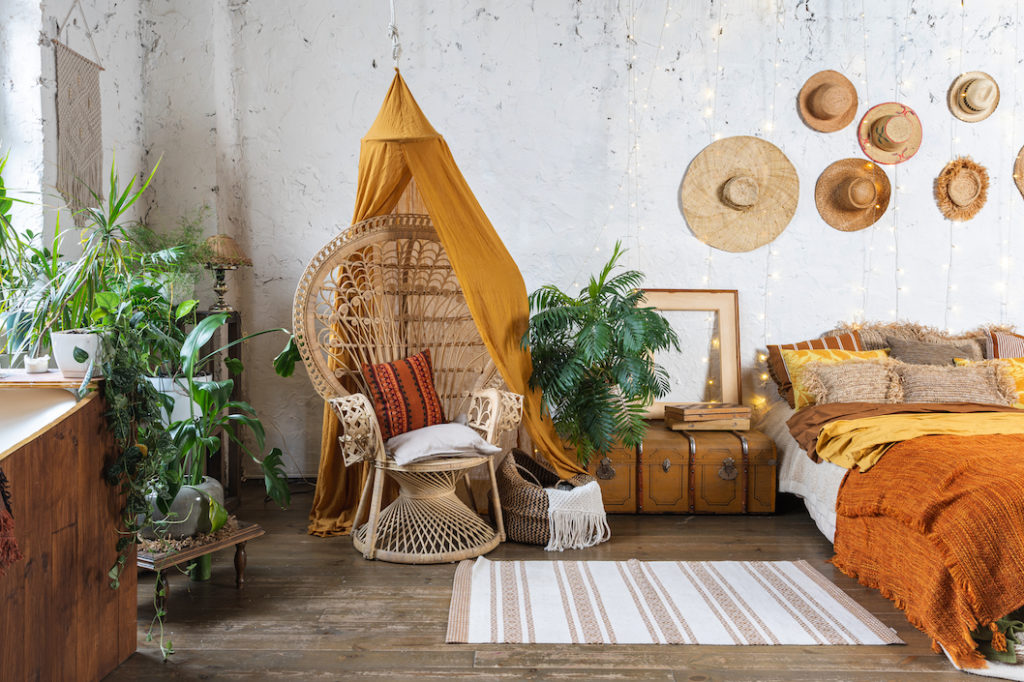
<point>860,443</point>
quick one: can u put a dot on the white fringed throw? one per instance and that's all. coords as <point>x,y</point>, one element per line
<point>79,130</point>
<point>576,518</point>
<point>655,602</point>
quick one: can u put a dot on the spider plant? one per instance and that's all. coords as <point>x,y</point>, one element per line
<point>593,359</point>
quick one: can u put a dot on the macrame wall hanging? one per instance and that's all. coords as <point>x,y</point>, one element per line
<point>79,125</point>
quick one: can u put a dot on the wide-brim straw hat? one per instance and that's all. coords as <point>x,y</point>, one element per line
<point>1018,171</point>
<point>852,194</point>
<point>739,193</point>
<point>973,96</point>
<point>890,133</point>
<point>961,189</point>
<point>827,101</point>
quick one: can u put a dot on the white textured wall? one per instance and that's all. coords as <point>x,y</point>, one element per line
<point>21,129</point>
<point>257,108</point>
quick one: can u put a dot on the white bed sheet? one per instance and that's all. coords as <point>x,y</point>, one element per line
<point>817,483</point>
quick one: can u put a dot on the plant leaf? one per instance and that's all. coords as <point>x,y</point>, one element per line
<point>273,476</point>
<point>284,363</point>
<point>185,307</point>
<point>234,365</point>
<point>79,354</point>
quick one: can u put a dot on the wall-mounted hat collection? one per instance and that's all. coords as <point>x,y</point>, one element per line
<point>740,193</point>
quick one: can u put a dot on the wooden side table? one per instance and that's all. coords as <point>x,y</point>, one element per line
<point>164,560</point>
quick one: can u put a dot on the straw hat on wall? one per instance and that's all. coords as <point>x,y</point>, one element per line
<point>1018,171</point>
<point>890,133</point>
<point>739,193</point>
<point>961,189</point>
<point>852,194</point>
<point>827,101</point>
<point>973,96</point>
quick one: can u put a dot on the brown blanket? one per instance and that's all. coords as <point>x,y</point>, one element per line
<point>806,424</point>
<point>937,525</point>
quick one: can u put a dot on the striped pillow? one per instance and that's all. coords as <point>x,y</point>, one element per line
<point>1005,345</point>
<point>777,366</point>
<point>403,394</point>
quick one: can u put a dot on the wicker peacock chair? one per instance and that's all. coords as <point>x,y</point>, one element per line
<point>380,291</point>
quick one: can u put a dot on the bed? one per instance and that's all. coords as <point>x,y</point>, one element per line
<point>895,531</point>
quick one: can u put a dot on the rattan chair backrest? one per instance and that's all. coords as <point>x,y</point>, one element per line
<point>380,291</point>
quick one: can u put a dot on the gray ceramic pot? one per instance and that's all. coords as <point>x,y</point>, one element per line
<point>189,513</point>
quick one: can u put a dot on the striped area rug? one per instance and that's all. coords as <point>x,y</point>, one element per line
<point>655,602</point>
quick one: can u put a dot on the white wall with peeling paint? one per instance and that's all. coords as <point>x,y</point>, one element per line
<point>574,123</point>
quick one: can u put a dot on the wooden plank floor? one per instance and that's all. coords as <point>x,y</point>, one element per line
<point>314,609</point>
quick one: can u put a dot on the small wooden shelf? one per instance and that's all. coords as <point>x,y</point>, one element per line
<point>54,378</point>
<point>163,560</point>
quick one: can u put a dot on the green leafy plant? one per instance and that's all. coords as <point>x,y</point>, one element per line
<point>26,268</point>
<point>593,359</point>
<point>213,412</point>
<point>107,260</point>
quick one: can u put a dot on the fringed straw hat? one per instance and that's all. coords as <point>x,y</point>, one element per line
<point>973,96</point>
<point>739,193</point>
<point>890,133</point>
<point>961,189</point>
<point>852,194</point>
<point>827,101</point>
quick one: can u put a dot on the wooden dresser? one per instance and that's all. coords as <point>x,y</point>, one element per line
<point>59,617</point>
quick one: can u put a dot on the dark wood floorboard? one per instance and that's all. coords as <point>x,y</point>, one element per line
<point>314,609</point>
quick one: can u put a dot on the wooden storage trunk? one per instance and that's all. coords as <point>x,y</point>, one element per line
<point>706,472</point>
<point>617,478</point>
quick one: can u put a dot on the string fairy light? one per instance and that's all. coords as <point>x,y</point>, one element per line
<point>778,19</point>
<point>953,141</point>
<point>898,279</point>
<point>629,181</point>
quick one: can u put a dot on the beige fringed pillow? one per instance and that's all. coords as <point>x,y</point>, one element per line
<point>867,381</point>
<point>986,384</point>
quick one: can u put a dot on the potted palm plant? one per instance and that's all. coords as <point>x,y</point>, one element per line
<point>593,359</point>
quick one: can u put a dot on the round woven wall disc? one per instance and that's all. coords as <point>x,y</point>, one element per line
<point>739,193</point>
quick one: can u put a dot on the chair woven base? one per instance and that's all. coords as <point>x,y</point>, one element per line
<point>428,523</point>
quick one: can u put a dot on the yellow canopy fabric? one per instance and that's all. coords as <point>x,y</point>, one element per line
<point>402,145</point>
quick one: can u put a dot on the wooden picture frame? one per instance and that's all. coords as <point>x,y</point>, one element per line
<point>725,302</point>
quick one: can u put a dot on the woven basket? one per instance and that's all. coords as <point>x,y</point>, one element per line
<point>524,504</point>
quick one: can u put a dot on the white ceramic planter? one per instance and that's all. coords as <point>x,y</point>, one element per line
<point>178,390</point>
<point>63,344</point>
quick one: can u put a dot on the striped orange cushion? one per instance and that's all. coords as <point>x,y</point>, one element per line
<point>403,394</point>
<point>1006,345</point>
<point>777,366</point>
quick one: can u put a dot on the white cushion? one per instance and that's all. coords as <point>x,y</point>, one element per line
<point>440,440</point>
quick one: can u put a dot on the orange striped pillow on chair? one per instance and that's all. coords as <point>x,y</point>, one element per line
<point>403,394</point>
<point>777,366</point>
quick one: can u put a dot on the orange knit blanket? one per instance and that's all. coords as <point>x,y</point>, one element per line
<point>937,525</point>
